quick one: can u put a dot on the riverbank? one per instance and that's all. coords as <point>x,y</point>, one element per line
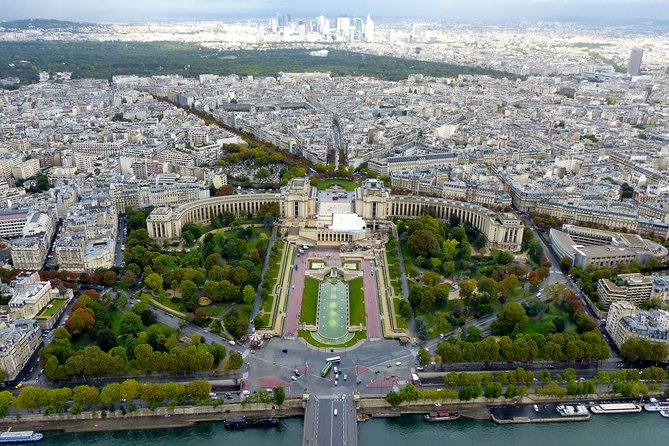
<point>162,418</point>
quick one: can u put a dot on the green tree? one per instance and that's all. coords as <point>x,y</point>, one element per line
<point>393,398</point>
<point>467,288</point>
<point>110,394</point>
<point>235,362</point>
<point>279,395</point>
<point>6,400</point>
<point>109,278</point>
<point>198,390</point>
<point>85,395</point>
<point>512,315</point>
<point>129,278</point>
<point>131,324</point>
<point>249,295</point>
<point>154,282</point>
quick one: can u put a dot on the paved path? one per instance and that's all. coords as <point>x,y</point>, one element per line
<point>371,301</point>
<point>295,297</point>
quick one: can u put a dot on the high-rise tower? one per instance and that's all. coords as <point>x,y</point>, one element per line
<point>634,65</point>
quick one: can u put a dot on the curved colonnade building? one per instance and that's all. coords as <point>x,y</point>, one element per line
<point>332,218</point>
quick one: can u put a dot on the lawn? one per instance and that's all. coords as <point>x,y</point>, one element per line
<point>55,306</point>
<point>309,301</point>
<point>433,329</point>
<point>116,322</point>
<point>176,305</point>
<point>346,184</point>
<point>214,310</point>
<point>356,302</point>
<point>359,336</point>
<point>400,322</point>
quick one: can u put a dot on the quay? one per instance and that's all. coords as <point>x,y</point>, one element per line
<point>534,413</point>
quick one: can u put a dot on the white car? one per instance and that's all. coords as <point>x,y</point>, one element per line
<point>231,342</point>
<point>398,363</point>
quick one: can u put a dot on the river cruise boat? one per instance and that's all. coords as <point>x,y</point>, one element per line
<point>441,416</point>
<point>656,406</point>
<point>20,437</point>
<point>615,408</point>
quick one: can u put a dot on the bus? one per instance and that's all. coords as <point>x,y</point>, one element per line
<point>334,359</point>
<point>326,369</point>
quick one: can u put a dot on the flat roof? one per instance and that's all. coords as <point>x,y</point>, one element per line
<point>347,223</point>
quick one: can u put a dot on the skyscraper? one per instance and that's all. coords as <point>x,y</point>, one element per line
<point>369,29</point>
<point>634,65</point>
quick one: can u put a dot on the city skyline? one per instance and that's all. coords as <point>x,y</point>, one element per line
<point>484,10</point>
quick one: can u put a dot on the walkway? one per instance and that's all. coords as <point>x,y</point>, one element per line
<point>323,428</point>
<point>371,301</point>
<point>295,297</point>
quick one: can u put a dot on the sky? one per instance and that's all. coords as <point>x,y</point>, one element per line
<point>459,10</point>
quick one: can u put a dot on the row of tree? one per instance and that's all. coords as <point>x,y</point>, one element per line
<point>526,348</point>
<point>136,355</point>
<point>85,396</point>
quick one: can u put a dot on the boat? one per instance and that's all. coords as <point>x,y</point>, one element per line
<point>20,437</point>
<point>572,410</point>
<point>363,417</point>
<point>664,413</point>
<point>244,422</point>
<point>656,406</point>
<point>616,408</point>
<point>441,416</point>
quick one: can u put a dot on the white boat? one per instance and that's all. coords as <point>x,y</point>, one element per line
<point>616,408</point>
<point>20,437</point>
<point>656,406</point>
<point>664,413</point>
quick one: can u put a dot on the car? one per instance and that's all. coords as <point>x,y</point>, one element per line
<point>335,382</point>
<point>437,404</point>
<point>19,385</point>
<point>285,350</point>
<point>442,336</point>
<point>420,368</point>
<point>389,366</point>
<point>398,363</point>
<point>335,412</point>
<point>536,408</point>
<point>231,342</point>
<point>358,382</point>
<point>294,378</point>
<point>206,331</point>
<point>345,377</point>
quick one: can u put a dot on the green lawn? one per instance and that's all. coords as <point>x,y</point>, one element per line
<point>214,310</point>
<point>116,322</point>
<point>359,335</point>
<point>433,329</point>
<point>265,320</point>
<point>400,322</point>
<point>346,184</point>
<point>176,305</point>
<point>309,301</point>
<point>55,306</point>
<point>356,302</point>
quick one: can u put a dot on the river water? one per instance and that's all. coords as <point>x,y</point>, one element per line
<point>609,430</point>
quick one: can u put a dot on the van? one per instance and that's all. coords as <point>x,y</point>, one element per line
<point>335,412</point>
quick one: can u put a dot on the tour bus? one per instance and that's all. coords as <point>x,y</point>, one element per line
<point>334,359</point>
<point>326,369</point>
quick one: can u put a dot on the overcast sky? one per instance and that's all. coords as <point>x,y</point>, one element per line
<point>139,10</point>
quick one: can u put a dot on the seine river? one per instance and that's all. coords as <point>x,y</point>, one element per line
<point>610,430</point>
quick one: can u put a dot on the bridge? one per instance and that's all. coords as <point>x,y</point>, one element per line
<point>323,428</point>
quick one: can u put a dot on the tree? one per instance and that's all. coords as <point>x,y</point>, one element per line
<point>131,324</point>
<point>154,281</point>
<point>424,356</point>
<point>512,315</point>
<point>109,278</point>
<point>129,389</point>
<point>488,287</point>
<point>404,309</point>
<point>249,295</point>
<point>421,327</point>
<point>6,400</point>
<point>393,398</point>
<point>467,288</point>
<point>279,395</point>
<point>190,296</point>
<point>220,290</point>
<point>198,390</point>
<point>534,250</point>
<point>534,307</point>
<point>129,278</point>
<point>110,393</point>
<point>235,362</point>
<point>85,395</point>
<point>80,320</point>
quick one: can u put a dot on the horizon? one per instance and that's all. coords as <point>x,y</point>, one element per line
<point>594,11</point>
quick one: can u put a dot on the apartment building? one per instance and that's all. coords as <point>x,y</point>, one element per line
<point>635,288</point>
<point>19,340</point>
<point>625,321</point>
<point>26,169</point>
<point>29,296</point>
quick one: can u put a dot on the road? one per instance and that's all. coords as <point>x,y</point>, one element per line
<point>120,240</point>
<point>323,428</point>
<point>372,316</point>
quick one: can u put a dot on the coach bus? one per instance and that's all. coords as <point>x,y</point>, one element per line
<point>333,359</point>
